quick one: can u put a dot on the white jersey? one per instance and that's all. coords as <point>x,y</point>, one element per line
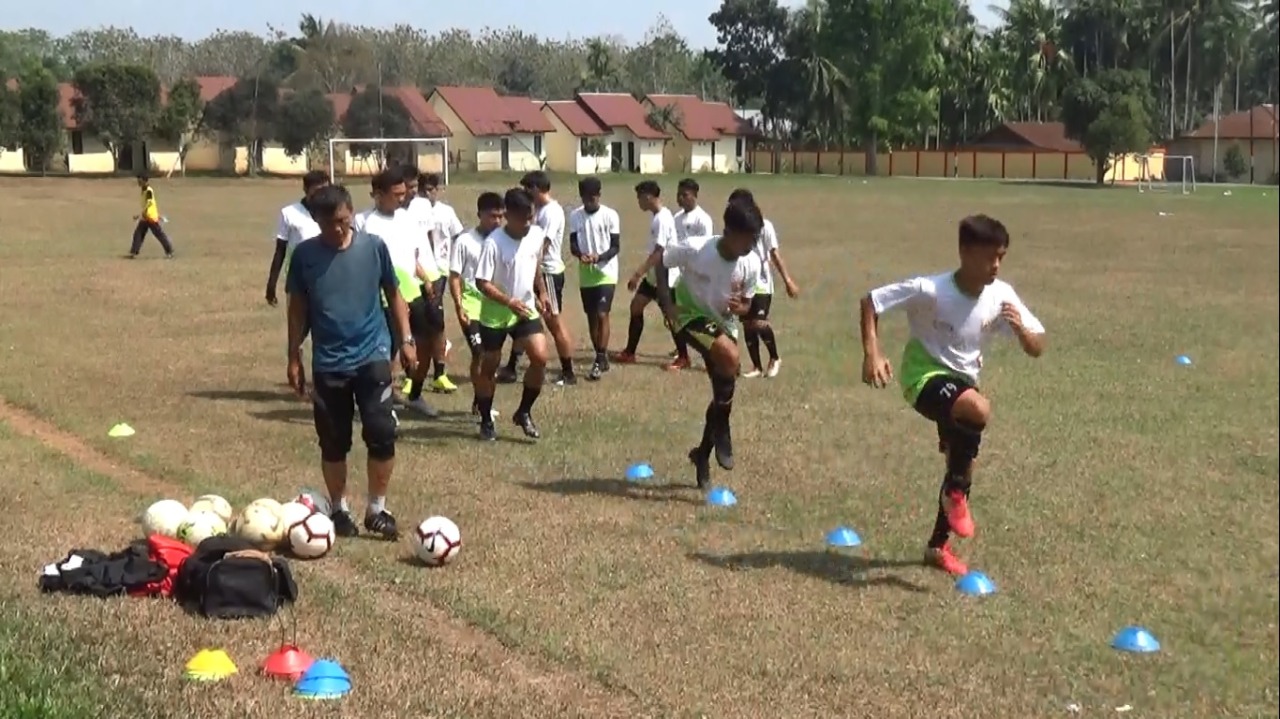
<point>551,219</point>
<point>693,223</point>
<point>465,257</point>
<point>766,243</point>
<point>594,232</point>
<point>296,225</point>
<point>708,281</point>
<point>399,232</point>
<point>512,265</point>
<point>662,234</point>
<point>447,226</point>
<point>948,326</point>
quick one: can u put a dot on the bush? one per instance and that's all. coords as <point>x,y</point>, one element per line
<point>1234,164</point>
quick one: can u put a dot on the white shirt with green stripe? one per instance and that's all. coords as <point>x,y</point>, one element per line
<point>595,233</point>
<point>294,226</point>
<point>464,263</point>
<point>948,327</point>
<point>512,266</point>
<point>708,281</point>
<point>447,227</point>
<point>399,231</point>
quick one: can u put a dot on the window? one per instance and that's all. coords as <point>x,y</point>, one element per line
<point>537,145</point>
<point>77,142</point>
<point>582,148</point>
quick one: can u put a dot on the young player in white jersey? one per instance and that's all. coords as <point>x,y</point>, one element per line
<point>662,232</point>
<point>718,276</point>
<point>950,316</point>
<point>294,226</point>
<point>510,278</point>
<point>442,224</point>
<point>595,238</point>
<point>758,325</point>
<point>691,220</point>
<point>467,299</point>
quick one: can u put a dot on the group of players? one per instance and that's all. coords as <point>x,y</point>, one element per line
<point>506,277</point>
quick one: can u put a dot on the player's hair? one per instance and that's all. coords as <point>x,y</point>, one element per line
<point>589,187</point>
<point>983,231</point>
<point>649,188</point>
<point>488,202</point>
<point>385,180</point>
<point>409,173</point>
<point>428,180</point>
<point>536,180</point>
<point>144,176</point>
<point>742,194</point>
<point>689,184</point>
<point>743,217</point>
<point>518,201</point>
<point>327,200</point>
<point>314,179</point>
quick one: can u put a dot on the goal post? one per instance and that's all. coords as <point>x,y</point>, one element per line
<point>366,156</point>
<point>1164,173</point>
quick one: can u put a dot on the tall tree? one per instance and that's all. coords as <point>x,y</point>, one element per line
<point>41,126</point>
<point>305,119</point>
<point>118,104</point>
<point>246,113</point>
<point>373,113</point>
<point>1109,114</point>
<point>182,120</point>
<point>749,37</point>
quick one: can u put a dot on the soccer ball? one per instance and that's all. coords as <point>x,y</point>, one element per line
<point>260,526</point>
<point>311,537</point>
<point>315,500</point>
<point>437,541</point>
<point>213,503</point>
<point>164,517</point>
<point>293,512</point>
<point>270,504</point>
<point>199,526</point>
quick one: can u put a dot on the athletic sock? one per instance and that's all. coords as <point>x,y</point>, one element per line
<point>527,398</point>
<point>377,505</point>
<point>415,389</point>
<point>566,365</point>
<point>635,328</point>
<point>709,428</point>
<point>341,505</point>
<point>682,347</point>
<point>601,356</point>
<point>484,406</point>
<point>753,347</point>
<point>513,359</point>
<point>770,342</point>
<point>722,389</point>
<point>440,370</point>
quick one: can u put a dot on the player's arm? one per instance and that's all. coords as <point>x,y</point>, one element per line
<point>574,248</point>
<point>1022,324</point>
<point>615,246</point>
<point>653,260</point>
<point>484,275</point>
<point>672,257</point>
<point>540,287</point>
<point>775,257</point>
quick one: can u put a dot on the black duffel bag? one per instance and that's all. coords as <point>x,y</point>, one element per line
<point>227,578</point>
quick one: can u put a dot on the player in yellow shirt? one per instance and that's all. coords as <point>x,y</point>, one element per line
<point>149,221</point>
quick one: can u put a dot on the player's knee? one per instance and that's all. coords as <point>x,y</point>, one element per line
<point>756,326</point>
<point>489,361</point>
<point>537,354</point>
<point>378,430</point>
<point>972,410</point>
<point>334,449</point>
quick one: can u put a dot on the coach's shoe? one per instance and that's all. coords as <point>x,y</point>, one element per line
<point>701,466</point>
<point>382,524</point>
<point>443,385</point>
<point>942,558</point>
<point>524,421</point>
<point>956,506</point>
<point>343,524</point>
<point>505,375</point>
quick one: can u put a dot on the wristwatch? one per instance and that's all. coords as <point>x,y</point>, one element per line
<point>409,342</point>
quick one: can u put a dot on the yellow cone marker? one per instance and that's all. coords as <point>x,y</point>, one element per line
<point>210,665</point>
<point>121,430</point>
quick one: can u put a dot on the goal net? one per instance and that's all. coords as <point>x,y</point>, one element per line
<point>352,158</point>
<point>1167,173</point>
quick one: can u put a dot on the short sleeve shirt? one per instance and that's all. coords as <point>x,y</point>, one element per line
<point>512,266</point>
<point>551,219</point>
<point>766,243</point>
<point>295,225</point>
<point>662,233</point>
<point>595,235</point>
<point>708,281</point>
<point>464,262</point>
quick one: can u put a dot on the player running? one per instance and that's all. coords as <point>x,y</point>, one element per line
<point>662,232</point>
<point>514,298</point>
<point>950,315</point>
<point>294,226</point>
<point>758,326</point>
<point>595,238</point>
<point>467,299</point>
<point>718,277</point>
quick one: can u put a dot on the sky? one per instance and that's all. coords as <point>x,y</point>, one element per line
<point>555,18</point>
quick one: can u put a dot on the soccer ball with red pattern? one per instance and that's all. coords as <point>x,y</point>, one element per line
<point>437,541</point>
<point>311,537</point>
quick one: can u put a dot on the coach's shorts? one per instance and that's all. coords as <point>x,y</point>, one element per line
<point>492,338</point>
<point>336,396</point>
<point>760,306</point>
<point>597,300</point>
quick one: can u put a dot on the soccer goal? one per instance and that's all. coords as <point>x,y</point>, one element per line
<point>357,157</point>
<point>1166,173</point>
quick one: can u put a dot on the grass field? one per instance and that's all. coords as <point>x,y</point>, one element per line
<point>1115,486</point>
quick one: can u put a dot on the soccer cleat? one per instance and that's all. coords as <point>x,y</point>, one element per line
<point>678,364</point>
<point>443,385</point>
<point>956,506</point>
<point>775,366</point>
<point>382,524</point>
<point>944,559</point>
<point>753,374</point>
<point>624,357</point>
<point>170,256</point>
<point>567,379</point>
<point>524,421</point>
<point>505,375</point>
<point>420,406</point>
<point>701,466</point>
<point>488,432</point>
<point>724,449</point>
<point>596,372</point>
<point>407,386</point>
<point>343,524</point>
<point>674,354</point>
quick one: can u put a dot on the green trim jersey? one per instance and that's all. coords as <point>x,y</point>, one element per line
<point>948,327</point>
<point>294,226</point>
<point>766,243</point>
<point>662,233</point>
<point>399,231</point>
<point>512,266</point>
<point>551,219</point>
<point>708,281</point>
<point>447,226</point>
<point>693,223</point>
<point>595,232</point>
<point>464,262</point>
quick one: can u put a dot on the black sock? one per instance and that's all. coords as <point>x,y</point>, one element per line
<point>601,357</point>
<point>963,442</point>
<point>753,347</point>
<point>722,389</point>
<point>635,328</point>
<point>484,407</point>
<point>439,370</point>
<point>415,389</point>
<point>513,359</point>
<point>941,530</point>
<point>709,428</point>
<point>527,398</point>
<point>566,365</point>
<point>770,342</point>
<point>682,347</point>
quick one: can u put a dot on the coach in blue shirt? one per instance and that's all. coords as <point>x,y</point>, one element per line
<point>336,283</point>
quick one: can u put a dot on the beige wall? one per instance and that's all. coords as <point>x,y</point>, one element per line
<point>520,157</point>
<point>462,144</point>
<point>94,157</point>
<point>12,161</point>
<point>1201,149</point>
<point>564,150</point>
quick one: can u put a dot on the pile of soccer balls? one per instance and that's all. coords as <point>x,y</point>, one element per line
<point>300,526</point>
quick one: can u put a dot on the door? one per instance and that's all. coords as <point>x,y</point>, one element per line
<point>506,153</point>
<point>615,156</point>
<point>633,162</point>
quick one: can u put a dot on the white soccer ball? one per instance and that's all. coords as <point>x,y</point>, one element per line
<point>199,526</point>
<point>213,503</point>
<point>271,504</point>
<point>163,517</point>
<point>311,537</point>
<point>260,526</point>
<point>293,512</point>
<point>437,541</point>
<point>316,500</point>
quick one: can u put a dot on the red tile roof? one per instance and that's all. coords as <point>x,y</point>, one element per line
<point>1031,135</point>
<point>727,121</point>
<point>620,109</point>
<point>487,114</point>
<point>692,118</point>
<point>576,119</point>
<point>526,115</point>
<point>213,85</point>
<point>424,122</point>
<point>1258,123</point>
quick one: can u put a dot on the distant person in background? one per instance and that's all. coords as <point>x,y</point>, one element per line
<point>595,238</point>
<point>550,217</point>
<point>294,226</point>
<point>444,225</point>
<point>149,221</point>
<point>758,328</point>
<point>662,233</point>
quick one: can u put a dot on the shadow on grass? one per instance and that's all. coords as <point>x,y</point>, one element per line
<point>675,493</point>
<point>246,395</point>
<point>1063,184</point>
<point>835,567</point>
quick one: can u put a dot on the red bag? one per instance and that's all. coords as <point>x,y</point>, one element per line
<point>170,554</point>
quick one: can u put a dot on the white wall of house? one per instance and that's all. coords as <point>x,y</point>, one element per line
<point>523,152</point>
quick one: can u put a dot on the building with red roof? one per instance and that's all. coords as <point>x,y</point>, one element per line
<point>705,136</point>
<point>490,132</point>
<point>604,132</point>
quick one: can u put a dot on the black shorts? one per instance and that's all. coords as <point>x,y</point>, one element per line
<point>760,305</point>
<point>473,336</point>
<point>700,334</point>
<point>555,289</point>
<point>492,338</point>
<point>597,300</point>
<point>434,307</point>
<point>647,289</point>
<point>335,398</point>
<point>939,395</point>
